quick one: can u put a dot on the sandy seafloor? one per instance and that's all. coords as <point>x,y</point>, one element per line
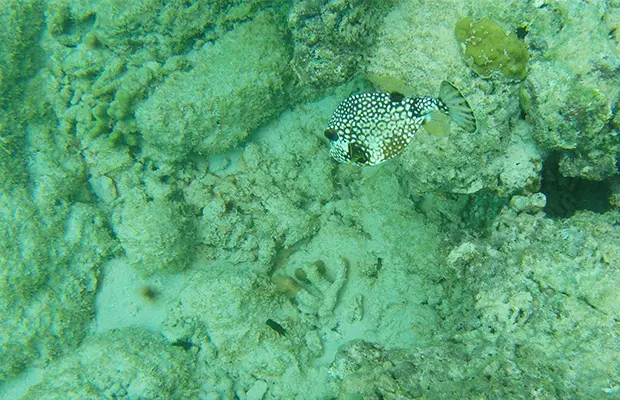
<point>173,226</point>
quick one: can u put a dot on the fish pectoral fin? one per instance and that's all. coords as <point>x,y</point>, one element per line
<point>437,123</point>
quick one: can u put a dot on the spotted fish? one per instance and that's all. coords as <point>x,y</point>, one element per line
<point>370,128</point>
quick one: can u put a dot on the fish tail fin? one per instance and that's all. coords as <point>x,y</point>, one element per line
<point>459,108</point>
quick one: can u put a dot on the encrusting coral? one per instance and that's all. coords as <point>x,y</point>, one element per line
<point>491,48</point>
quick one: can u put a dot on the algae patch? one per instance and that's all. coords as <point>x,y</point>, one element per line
<point>489,47</point>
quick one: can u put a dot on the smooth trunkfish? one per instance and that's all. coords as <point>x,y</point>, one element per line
<point>370,128</point>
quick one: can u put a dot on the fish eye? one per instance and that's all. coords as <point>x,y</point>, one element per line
<point>331,134</point>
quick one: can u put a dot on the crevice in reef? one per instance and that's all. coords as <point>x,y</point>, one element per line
<point>566,195</point>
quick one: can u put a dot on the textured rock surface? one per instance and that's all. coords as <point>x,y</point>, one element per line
<point>447,272</point>
<point>574,88</point>
<point>539,287</point>
<point>330,38</point>
<point>157,236</point>
<point>131,363</point>
<point>213,107</point>
<point>50,271</point>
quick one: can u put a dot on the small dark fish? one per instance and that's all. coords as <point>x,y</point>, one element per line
<point>370,128</point>
<point>276,327</point>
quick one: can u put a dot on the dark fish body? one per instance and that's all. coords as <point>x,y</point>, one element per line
<point>276,327</point>
<point>370,128</point>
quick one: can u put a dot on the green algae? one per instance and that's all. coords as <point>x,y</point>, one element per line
<point>491,48</point>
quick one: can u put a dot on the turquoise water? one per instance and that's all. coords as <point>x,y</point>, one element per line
<point>175,228</point>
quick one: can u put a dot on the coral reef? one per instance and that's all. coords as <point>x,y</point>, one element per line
<point>330,36</point>
<point>491,48</point>
<point>50,270</point>
<point>129,363</point>
<point>173,225</point>
<point>108,57</point>
<point>573,89</point>
<point>156,235</point>
<point>411,55</point>
<point>18,61</point>
<point>366,371</point>
<point>249,208</point>
<point>542,297</point>
<point>318,299</point>
<point>54,240</point>
<point>213,107</point>
<point>452,163</point>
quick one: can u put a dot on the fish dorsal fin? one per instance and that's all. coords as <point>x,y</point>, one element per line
<point>390,84</point>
